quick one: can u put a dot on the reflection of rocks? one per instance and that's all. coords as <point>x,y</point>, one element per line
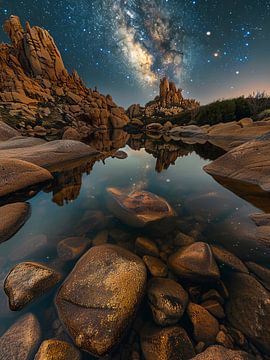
<point>248,309</point>
<point>12,216</point>
<point>27,281</point>
<point>169,343</point>
<point>137,208</point>
<point>20,341</point>
<point>57,350</point>
<point>99,299</point>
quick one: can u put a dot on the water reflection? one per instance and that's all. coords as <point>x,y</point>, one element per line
<point>206,210</point>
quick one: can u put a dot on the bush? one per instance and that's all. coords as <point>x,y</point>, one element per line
<point>225,110</point>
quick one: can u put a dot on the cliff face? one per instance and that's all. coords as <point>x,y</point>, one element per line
<point>37,90</point>
<point>169,102</point>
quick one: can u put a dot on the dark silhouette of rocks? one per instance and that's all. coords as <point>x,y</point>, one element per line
<point>169,102</point>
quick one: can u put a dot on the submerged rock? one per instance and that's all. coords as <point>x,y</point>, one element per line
<point>100,297</point>
<point>262,273</point>
<point>225,257</point>
<point>16,175</point>
<point>195,262</point>
<point>205,326</point>
<point>167,299</point>
<point>221,353</point>
<point>248,309</point>
<point>27,281</point>
<point>20,341</point>
<point>12,216</point>
<point>137,208</point>
<point>156,266</point>
<point>57,350</point>
<point>72,248</point>
<point>170,343</point>
<point>146,246</point>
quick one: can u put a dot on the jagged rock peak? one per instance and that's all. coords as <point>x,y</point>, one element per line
<point>169,95</point>
<point>36,50</point>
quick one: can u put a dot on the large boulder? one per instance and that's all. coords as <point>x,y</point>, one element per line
<point>167,299</point>
<point>248,309</point>
<point>100,297</point>
<point>169,343</point>
<point>21,340</point>
<point>7,132</point>
<point>20,142</point>
<point>54,349</point>
<point>17,174</point>
<point>13,217</point>
<point>137,208</point>
<point>195,262</point>
<point>248,163</point>
<point>27,281</point>
<point>51,153</point>
<point>221,353</point>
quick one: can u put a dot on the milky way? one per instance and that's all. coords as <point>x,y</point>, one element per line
<point>210,48</point>
<point>152,43</point>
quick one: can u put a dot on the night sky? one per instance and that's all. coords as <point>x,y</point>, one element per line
<point>211,49</point>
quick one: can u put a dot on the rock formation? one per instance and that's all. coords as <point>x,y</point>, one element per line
<point>169,102</point>
<point>37,94</point>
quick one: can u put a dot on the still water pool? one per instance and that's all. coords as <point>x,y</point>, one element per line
<point>75,205</point>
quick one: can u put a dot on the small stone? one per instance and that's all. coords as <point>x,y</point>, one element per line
<point>72,248</point>
<point>167,299</point>
<point>182,239</point>
<point>221,353</point>
<point>170,343</point>
<point>27,281</point>
<point>101,238</point>
<point>224,340</point>
<point>195,263</point>
<point>20,341</point>
<point>214,308</point>
<point>156,266</point>
<point>262,273</point>
<point>146,246</point>
<point>57,350</point>
<point>205,326</point>
<point>213,295</point>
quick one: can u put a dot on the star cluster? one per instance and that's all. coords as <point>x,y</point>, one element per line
<point>210,48</point>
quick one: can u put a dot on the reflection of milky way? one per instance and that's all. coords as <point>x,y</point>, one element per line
<point>149,40</point>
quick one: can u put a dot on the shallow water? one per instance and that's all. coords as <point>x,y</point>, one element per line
<point>75,205</point>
